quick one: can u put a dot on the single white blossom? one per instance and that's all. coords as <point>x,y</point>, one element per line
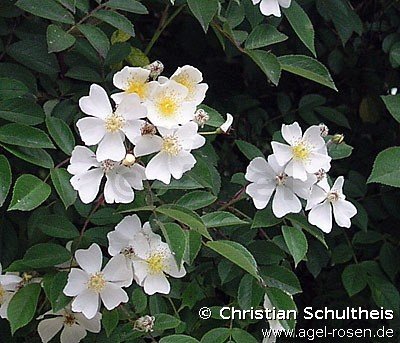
<point>305,153</point>
<point>269,177</point>
<point>9,284</point>
<point>88,173</point>
<point>173,147</point>
<point>131,80</point>
<point>167,105</point>
<point>92,283</point>
<point>225,127</point>
<point>106,127</point>
<point>323,200</point>
<point>74,326</point>
<point>155,259</point>
<point>271,7</point>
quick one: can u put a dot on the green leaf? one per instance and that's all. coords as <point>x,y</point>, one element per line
<point>384,293</point>
<point>193,246</point>
<point>58,39</point>
<point>204,11</point>
<point>307,67</point>
<point>84,73</point>
<point>248,150</point>
<point>282,301</point>
<point>176,240</point>
<point>48,9</point>
<point>216,119</point>
<point>250,293</point>
<point>54,225</point>
<point>35,156</point>
<point>296,242</point>
<point>333,115</point>
<point>339,151</point>
<point>386,169</point>
<point>132,6</point>
<point>26,136</point>
<point>165,321</point>
<point>392,103</point>
<point>221,219</point>
<point>354,279</point>
<point>61,133</point>
<point>20,73</point>
<point>387,257</point>
<point>237,254</point>
<point>268,63</point>
<point>117,20</point>
<point>28,193</point>
<point>196,200</point>
<point>96,38</point>
<point>5,177</point>
<point>23,111</point>
<point>178,339</point>
<point>57,298</point>
<point>265,218</point>
<point>46,255</point>
<point>22,306</point>
<point>110,320</point>
<point>185,216</point>
<point>282,278</point>
<point>240,335</point>
<point>301,24</point>
<point>60,178</point>
<point>217,335</point>
<point>139,300</point>
<point>300,221</point>
<point>33,54</point>
<point>264,35</point>
<point>10,89</point>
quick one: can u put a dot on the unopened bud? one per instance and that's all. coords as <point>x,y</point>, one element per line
<point>201,117</point>
<point>225,127</point>
<point>324,130</point>
<point>148,129</point>
<point>129,160</point>
<point>338,138</point>
<point>156,68</point>
<point>145,324</point>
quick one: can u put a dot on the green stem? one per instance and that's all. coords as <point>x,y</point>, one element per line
<point>87,16</point>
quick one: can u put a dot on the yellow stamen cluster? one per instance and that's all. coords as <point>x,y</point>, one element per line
<point>137,87</point>
<point>301,151</point>
<point>167,106</point>
<point>114,123</point>
<point>156,263</point>
<point>171,145</point>
<point>96,282</point>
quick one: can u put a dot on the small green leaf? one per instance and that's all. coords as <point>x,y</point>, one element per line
<point>165,321</point>
<point>57,39</point>
<point>54,225</point>
<point>176,240</point>
<point>237,254</point>
<point>46,255</point>
<point>250,293</point>
<point>61,133</point>
<point>178,339</point>
<point>240,335</point>
<point>307,67</point>
<point>392,103</point>
<point>57,297</point>
<point>265,218</point>
<point>221,219</point>
<point>193,246</point>
<point>386,169</point>
<point>97,38</point>
<point>48,9</point>
<point>354,279</point>
<point>296,242</point>
<point>282,301</point>
<point>38,157</point>
<point>339,151</point>
<point>5,177</point>
<point>217,335</point>
<point>26,136</point>
<point>10,89</point>
<point>282,278</point>
<point>22,306</point>
<point>60,178</point>
<point>28,193</point>
<point>204,11</point>
<point>248,150</point>
<point>132,6</point>
<point>216,119</point>
<point>268,63</point>
<point>264,35</point>
<point>110,320</point>
<point>22,111</point>
<point>196,200</point>
<point>117,20</point>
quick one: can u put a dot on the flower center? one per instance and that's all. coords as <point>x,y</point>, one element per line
<point>114,123</point>
<point>69,319</point>
<point>96,282</point>
<point>2,294</point>
<point>138,88</point>
<point>333,196</point>
<point>167,106</point>
<point>281,179</point>
<point>171,145</point>
<point>108,165</point>
<point>128,251</point>
<point>301,151</point>
<point>156,263</point>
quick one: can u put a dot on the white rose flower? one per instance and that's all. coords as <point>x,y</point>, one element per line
<point>269,177</point>
<point>92,283</point>
<point>167,106</point>
<point>88,173</point>
<point>323,200</point>
<point>174,157</point>
<point>108,128</point>
<point>132,80</point>
<point>305,153</point>
<point>9,284</point>
<point>155,259</point>
<point>191,78</point>
<point>271,7</point>
<point>74,326</point>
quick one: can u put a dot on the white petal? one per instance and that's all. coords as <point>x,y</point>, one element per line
<point>180,164</point>
<point>92,325</point>
<point>172,268</point>
<point>48,328</point>
<point>291,133</point>
<point>119,97</point>
<point>77,282</point>
<point>146,145</point>
<point>313,137</point>
<point>82,159</point>
<point>270,7</point>
<point>135,175</point>
<point>285,201</point>
<point>140,271</point>
<point>111,147</point>
<point>4,306</point>
<point>317,195</point>
<point>10,282</point>
<point>338,185</point>
<point>321,216</point>
<point>343,210</point>
<point>130,108</point>
<point>113,295</point>
<point>282,152</point>
<point>228,123</point>
<point>87,184</point>
<point>276,167</point>
<point>259,169</point>
<point>316,162</point>
<point>132,129</point>
<point>156,283</point>
<point>97,103</point>
<point>117,189</point>
<point>297,170</point>
<point>72,334</point>
<point>90,259</point>
<point>116,242</point>
<point>261,194</point>
<point>285,3</point>
<point>126,75</point>
<point>157,168</point>
<point>91,130</point>
<point>117,270</point>
<point>129,226</point>
<point>86,302</point>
